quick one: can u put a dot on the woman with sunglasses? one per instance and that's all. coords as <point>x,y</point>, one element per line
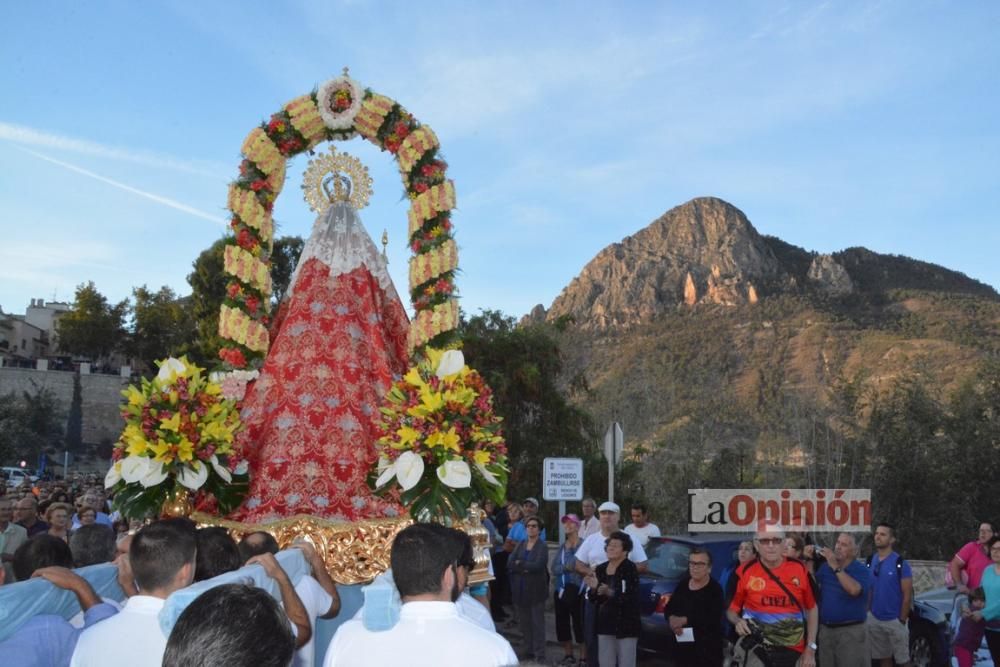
<point>696,609</point>
<point>529,587</point>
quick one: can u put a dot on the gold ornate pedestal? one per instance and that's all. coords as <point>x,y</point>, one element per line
<point>354,553</point>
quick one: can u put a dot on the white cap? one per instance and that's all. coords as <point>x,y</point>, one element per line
<point>609,506</point>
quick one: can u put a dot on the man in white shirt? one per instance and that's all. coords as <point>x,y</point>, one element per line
<point>318,593</point>
<point>11,536</point>
<point>640,530</point>
<point>162,560</point>
<point>430,631</point>
<point>589,524</point>
<point>591,554</point>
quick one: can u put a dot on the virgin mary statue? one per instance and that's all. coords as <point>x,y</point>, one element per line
<point>337,343</point>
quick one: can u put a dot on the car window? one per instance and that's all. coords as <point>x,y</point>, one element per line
<point>668,559</point>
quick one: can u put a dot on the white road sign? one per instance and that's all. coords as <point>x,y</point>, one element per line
<point>562,479</point>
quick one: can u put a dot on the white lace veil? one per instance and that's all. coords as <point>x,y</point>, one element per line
<point>340,241</point>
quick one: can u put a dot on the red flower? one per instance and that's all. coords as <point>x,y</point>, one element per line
<point>234,223</point>
<point>233,356</point>
<point>260,184</point>
<point>232,290</point>
<point>427,170</point>
<point>402,130</point>
<point>246,240</point>
<point>252,304</point>
<point>420,186</point>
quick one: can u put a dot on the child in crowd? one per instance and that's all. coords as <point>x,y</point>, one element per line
<point>970,629</point>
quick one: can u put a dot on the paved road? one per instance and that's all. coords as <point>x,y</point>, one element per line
<point>554,652</point>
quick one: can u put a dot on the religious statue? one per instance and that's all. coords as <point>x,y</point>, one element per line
<point>337,343</point>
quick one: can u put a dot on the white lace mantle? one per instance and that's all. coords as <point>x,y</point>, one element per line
<point>340,241</point>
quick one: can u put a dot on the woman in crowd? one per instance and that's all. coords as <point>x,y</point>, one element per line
<point>57,517</point>
<point>991,587</point>
<point>746,553</point>
<point>568,601</point>
<point>615,586</point>
<point>971,560</point>
<point>697,605</point>
<point>88,516</point>
<point>794,547</point>
<point>529,586</point>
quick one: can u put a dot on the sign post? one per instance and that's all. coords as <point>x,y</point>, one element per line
<point>562,480</point>
<point>614,441</point>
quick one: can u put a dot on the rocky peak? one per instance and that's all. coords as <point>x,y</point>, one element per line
<point>704,251</point>
<point>830,276</point>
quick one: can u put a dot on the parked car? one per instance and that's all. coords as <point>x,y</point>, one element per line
<point>668,557</point>
<point>16,476</point>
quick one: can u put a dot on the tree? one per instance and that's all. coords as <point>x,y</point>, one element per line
<point>93,328</point>
<point>162,325</point>
<point>29,424</point>
<point>284,259</point>
<point>523,365</point>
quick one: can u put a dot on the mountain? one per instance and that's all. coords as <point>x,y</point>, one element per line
<point>698,318</point>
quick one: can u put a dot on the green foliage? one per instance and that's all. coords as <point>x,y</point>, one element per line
<point>523,366</point>
<point>29,424</point>
<point>208,291</point>
<point>284,258</point>
<point>162,325</point>
<point>93,328</point>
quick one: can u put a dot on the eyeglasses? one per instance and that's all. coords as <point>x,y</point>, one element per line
<point>771,541</point>
<point>697,563</point>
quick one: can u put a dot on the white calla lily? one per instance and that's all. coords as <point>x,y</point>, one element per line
<point>134,468</point>
<point>451,363</point>
<point>114,475</point>
<point>193,478</point>
<point>409,469</point>
<point>487,475</point>
<point>154,476</point>
<point>455,474</point>
<point>169,369</point>
<point>221,470</point>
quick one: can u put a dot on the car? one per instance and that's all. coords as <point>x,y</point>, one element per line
<point>667,565</point>
<point>16,476</point>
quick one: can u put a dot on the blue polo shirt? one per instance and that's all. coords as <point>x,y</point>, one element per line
<point>519,533</point>
<point>835,605</point>
<point>887,593</point>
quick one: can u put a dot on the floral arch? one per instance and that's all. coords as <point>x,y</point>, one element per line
<point>338,110</point>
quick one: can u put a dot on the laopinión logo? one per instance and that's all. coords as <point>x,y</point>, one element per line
<point>746,510</point>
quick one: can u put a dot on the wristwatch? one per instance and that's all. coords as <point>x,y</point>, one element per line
<point>813,646</point>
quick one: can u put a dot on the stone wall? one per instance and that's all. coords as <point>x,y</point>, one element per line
<point>100,394</point>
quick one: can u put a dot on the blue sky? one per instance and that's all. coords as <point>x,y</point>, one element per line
<point>567,126</point>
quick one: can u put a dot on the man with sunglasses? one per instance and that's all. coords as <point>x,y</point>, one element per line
<point>892,596</point>
<point>774,594</point>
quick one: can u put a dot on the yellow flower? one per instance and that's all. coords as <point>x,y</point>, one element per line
<point>407,435</point>
<point>135,440</point>
<point>413,377</point>
<point>163,450</point>
<point>447,439</point>
<point>481,457</point>
<point>135,397</point>
<point>171,424</point>
<point>463,396</point>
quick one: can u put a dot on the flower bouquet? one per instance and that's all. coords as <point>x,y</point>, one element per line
<point>440,440</point>
<point>178,439</point>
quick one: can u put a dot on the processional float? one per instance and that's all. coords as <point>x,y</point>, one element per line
<point>332,418</point>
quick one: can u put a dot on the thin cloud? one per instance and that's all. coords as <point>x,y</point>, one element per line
<point>23,135</point>
<point>165,201</point>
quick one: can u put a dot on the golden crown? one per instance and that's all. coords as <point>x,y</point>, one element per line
<point>334,176</point>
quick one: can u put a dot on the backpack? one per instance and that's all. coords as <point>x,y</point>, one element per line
<point>899,568</point>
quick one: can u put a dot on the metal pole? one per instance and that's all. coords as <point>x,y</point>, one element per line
<point>611,479</point>
<point>66,464</point>
<point>562,513</point>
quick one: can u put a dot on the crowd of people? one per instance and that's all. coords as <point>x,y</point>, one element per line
<point>787,601</point>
